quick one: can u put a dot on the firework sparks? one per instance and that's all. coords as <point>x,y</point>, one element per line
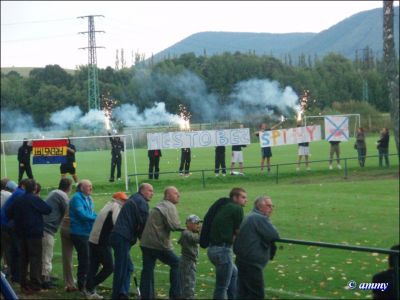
<point>303,105</point>
<point>184,117</point>
<point>108,104</point>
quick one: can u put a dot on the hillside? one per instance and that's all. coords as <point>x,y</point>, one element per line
<point>356,32</point>
<point>24,71</point>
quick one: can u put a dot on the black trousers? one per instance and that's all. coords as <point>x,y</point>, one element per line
<point>26,168</point>
<point>220,163</point>
<point>99,255</point>
<point>185,163</point>
<point>10,242</point>
<point>116,162</point>
<point>250,281</point>
<point>154,167</point>
<point>31,255</point>
<point>81,245</point>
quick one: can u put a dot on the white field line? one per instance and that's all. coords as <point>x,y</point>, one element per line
<point>212,280</point>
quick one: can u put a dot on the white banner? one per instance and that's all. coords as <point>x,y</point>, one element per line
<point>290,136</point>
<point>336,128</point>
<point>197,139</point>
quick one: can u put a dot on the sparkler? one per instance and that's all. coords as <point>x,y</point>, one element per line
<point>184,117</point>
<point>303,105</point>
<point>108,104</point>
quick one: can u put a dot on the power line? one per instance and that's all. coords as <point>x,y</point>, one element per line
<point>34,22</point>
<point>38,38</point>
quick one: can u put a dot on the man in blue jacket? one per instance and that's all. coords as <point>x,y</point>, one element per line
<point>254,247</point>
<point>27,212</point>
<point>82,215</point>
<point>8,236</point>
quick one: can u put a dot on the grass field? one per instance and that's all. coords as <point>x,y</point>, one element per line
<point>317,205</point>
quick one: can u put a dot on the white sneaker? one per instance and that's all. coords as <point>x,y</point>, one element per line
<point>223,175</point>
<point>339,167</point>
<point>216,174</point>
<point>330,167</point>
<point>95,296</point>
<point>297,169</point>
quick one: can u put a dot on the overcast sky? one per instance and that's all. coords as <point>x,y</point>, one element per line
<point>38,33</point>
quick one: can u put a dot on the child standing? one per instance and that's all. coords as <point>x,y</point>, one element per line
<point>189,242</point>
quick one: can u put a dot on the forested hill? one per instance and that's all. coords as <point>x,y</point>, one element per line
<point>356,32</point>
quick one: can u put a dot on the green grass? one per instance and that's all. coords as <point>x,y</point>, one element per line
<point>317,205</point>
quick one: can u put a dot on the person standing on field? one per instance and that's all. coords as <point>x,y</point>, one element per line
<point>24,160</point>
<point>220,160</point>
<point>70,165</point>
<point>116,158</point>
<point>334,148</point>
<point>58,201</point>
<point>383,147</point>
<point>361,146</point>
<point>224,228</point>
<point>82,215</point>
<point>154,163</point>
<point>254,246</point>
<point>186,158</point>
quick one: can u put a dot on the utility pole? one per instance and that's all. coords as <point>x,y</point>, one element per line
<point>93,85</point>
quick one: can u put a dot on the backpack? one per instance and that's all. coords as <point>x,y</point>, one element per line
<point>208,219</point>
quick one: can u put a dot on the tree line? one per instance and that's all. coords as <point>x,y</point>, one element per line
<point>331,79</point>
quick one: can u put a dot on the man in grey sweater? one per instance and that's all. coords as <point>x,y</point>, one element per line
<point>254,248</point>
<point>58,200</point>
<point>156,244</point>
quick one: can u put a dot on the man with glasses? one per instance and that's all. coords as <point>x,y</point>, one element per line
<point>254,247</point>
<point>224,228</point>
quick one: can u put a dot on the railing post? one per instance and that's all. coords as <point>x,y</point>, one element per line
<point>204,181</point>
<point>277,174</point>
<point>396,277</point>
<point>345,168</point>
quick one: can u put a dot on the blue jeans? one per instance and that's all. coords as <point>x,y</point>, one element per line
<point>167,257</point>
<point>81,244</point>
<point>362,152</point>
<point>123,268</point>
<point>226,272</point>
<point>383,153</point>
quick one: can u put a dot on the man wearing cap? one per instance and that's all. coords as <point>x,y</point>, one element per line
<point>24,160</point>
<point>254,247</point>
<point>58,201</point>
<point>99,248</point>
<point>128,228</point>
<point>156,244</point>
<point>189,242</point>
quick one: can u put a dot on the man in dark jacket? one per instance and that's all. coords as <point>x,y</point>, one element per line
<point>27,212</point>
<point>116,158</point>
<point>24,160</point>
<point>220,160</point>
<point>8,237</point>
<point>383,147</point>
<point>154,163</point>
<point>253,248</point>
<point>127,229</point>
<point>186,158</point>
<point>225,226</point>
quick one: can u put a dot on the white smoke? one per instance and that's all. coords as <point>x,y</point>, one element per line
<point>260,97</point>
<point>94,119</point>
<point>156,115</point>
<point>66,117</point>
<point>19,123</point>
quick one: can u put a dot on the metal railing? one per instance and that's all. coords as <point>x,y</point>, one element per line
<point>355,248</point>
<point>272,166</point>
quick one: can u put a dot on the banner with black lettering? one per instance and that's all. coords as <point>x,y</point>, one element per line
<point>49,151</point>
